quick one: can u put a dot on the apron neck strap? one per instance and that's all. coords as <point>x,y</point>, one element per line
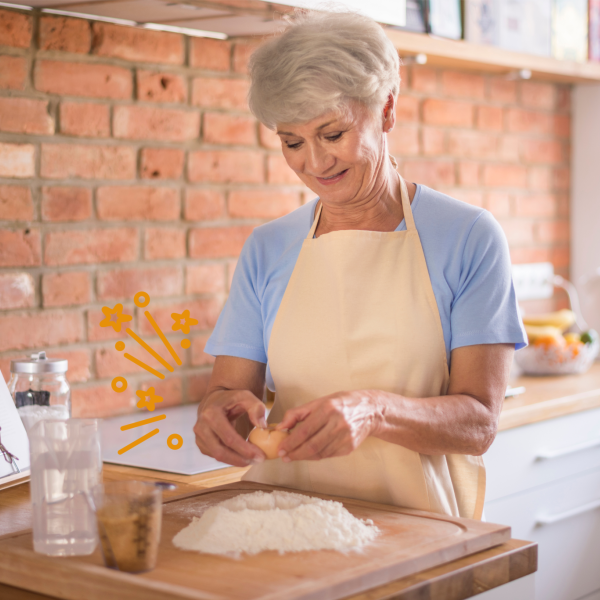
<point>311,233</point>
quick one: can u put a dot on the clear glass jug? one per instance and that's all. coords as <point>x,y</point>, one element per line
<point>66,464</point>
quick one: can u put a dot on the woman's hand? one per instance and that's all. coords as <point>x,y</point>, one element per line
<point>334,425</point>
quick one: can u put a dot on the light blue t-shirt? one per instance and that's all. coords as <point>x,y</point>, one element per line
<point>467,257</point>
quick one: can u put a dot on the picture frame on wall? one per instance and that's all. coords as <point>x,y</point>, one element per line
<point>444,18</point>
<point>481,18</point>
<point>594,30</point>
<point>570,30</point>
<point>416,17</point>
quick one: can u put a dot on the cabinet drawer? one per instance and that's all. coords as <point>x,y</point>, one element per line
<point>564,518</point>
<point>537,454</point>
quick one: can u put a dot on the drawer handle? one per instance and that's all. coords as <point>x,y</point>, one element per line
<point>548,454</point>
<point>550,519</point>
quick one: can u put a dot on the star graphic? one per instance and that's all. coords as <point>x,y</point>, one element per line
<point>147,399</point>
<point>187,321</point>
<point>117,312</point>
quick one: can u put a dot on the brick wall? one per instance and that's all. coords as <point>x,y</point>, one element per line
<point>129,161</point>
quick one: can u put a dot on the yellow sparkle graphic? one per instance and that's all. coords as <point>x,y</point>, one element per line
<point>183,321</point>
<point>148,399</point>
<point>116,311</point>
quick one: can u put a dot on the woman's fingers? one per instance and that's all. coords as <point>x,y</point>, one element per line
<point>300,435</point>
<point>211,445</point>
<point>257,415</point>
<point>295,415</point>
<point>313,447</point>
<point>230,438</point>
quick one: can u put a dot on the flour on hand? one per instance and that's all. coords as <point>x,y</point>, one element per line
<point>282,521</point>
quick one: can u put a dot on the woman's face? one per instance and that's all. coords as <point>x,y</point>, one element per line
<point>339,156</point>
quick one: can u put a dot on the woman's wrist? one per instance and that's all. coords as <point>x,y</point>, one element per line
<point>378,404</point>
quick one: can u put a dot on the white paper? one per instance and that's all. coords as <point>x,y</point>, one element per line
<point>13,434</point>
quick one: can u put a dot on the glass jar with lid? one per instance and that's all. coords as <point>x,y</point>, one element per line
<point>39,388</point>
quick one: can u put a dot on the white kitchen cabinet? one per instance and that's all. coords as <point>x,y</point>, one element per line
<point>554,500</point>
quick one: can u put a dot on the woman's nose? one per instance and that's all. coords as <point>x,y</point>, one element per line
<point>318,160</point>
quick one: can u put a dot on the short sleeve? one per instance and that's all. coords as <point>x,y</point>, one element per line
<point>484,309</point>
<point>239,329</point>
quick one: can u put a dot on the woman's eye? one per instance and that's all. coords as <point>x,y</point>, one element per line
<point>293,146</point>
<point>335,137</point>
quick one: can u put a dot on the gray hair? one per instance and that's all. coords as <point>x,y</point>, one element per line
<point>321,62</point>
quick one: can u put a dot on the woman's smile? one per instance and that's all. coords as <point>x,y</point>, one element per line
<point>332,179</point>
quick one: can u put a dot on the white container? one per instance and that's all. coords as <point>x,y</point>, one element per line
<point>66,464</point>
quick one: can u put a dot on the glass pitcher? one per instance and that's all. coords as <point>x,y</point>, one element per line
<point>66,464</point>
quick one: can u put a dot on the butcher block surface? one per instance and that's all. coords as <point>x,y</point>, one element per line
<point>410,541</point>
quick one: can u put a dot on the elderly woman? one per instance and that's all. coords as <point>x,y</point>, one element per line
<point>382,313</point>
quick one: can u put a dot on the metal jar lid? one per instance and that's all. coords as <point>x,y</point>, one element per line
<point>39,363</point>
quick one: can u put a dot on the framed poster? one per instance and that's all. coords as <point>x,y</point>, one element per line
<point>482,21</point>
<point>570,30</point>
<point>445,18</point>
<point>594,30</point>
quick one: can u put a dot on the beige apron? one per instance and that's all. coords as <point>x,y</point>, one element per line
<point>359,313</point>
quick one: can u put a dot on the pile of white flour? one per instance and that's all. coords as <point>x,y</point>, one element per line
<point>282,521</point>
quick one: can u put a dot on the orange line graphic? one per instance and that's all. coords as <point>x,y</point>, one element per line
<point>154,353</point>
<point>138,441</point>
<point>144,422</point>
<point>148,368</point>
<point>165,341</point>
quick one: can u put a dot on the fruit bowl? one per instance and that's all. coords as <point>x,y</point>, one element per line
<point>557,358</point>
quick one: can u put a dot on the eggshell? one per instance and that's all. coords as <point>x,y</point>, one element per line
<point>268,439</point>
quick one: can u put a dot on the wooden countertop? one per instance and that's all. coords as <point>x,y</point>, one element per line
<point>547,397</point>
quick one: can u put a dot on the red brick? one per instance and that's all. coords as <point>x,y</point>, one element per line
<point>218,242</point>
<point>530,255</point>
<point>433,141</point>
<point>169,389</point>
<point>551,232</point>
<point>529,121</point>
<point>15,203</point>
<point>468,173</point>
<point>499,204</point>
<point>501,90</point>
<point>17,160</point>
<point>226,166</point>
<point>149,123</point>
<point>473,197</point>
<point>124,283</point>
<point>160,242</point>
<point>96,333</point>
<point>268,138</point>
<point>518,232</point>
<point>197,386</point>
<point>278,171</point>
<point>17,290</point>
<point>205,279</point>
<point>231,265</point>
<point>64,34</point>
<point>472,144</point>
<point>541,179</point>
<point>447,113</point>
<point>21,248</point>
<point>261,203</point>
<point>24,115</point>
<point>85,119</point>
<point>127,203</point>
<point>89,246</point>
<point>407,109</point>
<point>509,148</point>
<point>543,151</point>
<point>100,401</point>
<point>560,257</point>
<point>490,118</point>
<point>199,357</point>
<point>156,86</point>
<point>220,93</point>
<point>563,97</point>
<point>82,79</point>
<point>562,125</point>
<point>561,178</point>
<point>205,310</point>
<point>203,205</point>
<point>162,163</point>
<point>137,45</point>
<point>241,57</point>
<point>214,55</point>
<point>538,95</point>
<point>564,205</point>
<point>535,205</point>
<point>403,140</point>
<point>13,72</point>
<point>429,172</point>
<point>66,161</point>
<point>110,362</point>
<point>462,85</point>
<point>424,79</point>
<point>38,330</point>
<point>221,128</point>
<point>66,203</point>
<point>504,176</point>
<point>64,289</point>
<point>15,29</point>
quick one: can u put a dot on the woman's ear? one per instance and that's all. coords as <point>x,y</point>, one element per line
<point>389,114</point>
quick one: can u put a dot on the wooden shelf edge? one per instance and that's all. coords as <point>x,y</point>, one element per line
<point>465,55</point>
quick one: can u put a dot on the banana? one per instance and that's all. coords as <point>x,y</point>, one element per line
<point>535,332</point>
<point>562,319</point>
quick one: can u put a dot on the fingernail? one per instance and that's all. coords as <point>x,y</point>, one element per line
<point>282,453</point>
<point>263,423</point>
<point>286,459</point>
<point>258,460</point>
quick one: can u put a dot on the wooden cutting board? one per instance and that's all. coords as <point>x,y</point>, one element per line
<point>410,541</point>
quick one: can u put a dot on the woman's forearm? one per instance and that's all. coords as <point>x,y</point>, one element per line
<point>454,424</point>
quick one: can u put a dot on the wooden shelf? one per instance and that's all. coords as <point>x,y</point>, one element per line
<point>465,55</point>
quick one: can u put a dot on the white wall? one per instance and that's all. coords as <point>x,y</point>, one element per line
<point>585,199</point>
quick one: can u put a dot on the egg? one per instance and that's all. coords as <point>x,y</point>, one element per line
<point>268,439</point>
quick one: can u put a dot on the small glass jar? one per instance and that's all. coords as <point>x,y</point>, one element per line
<point>39,388</point>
